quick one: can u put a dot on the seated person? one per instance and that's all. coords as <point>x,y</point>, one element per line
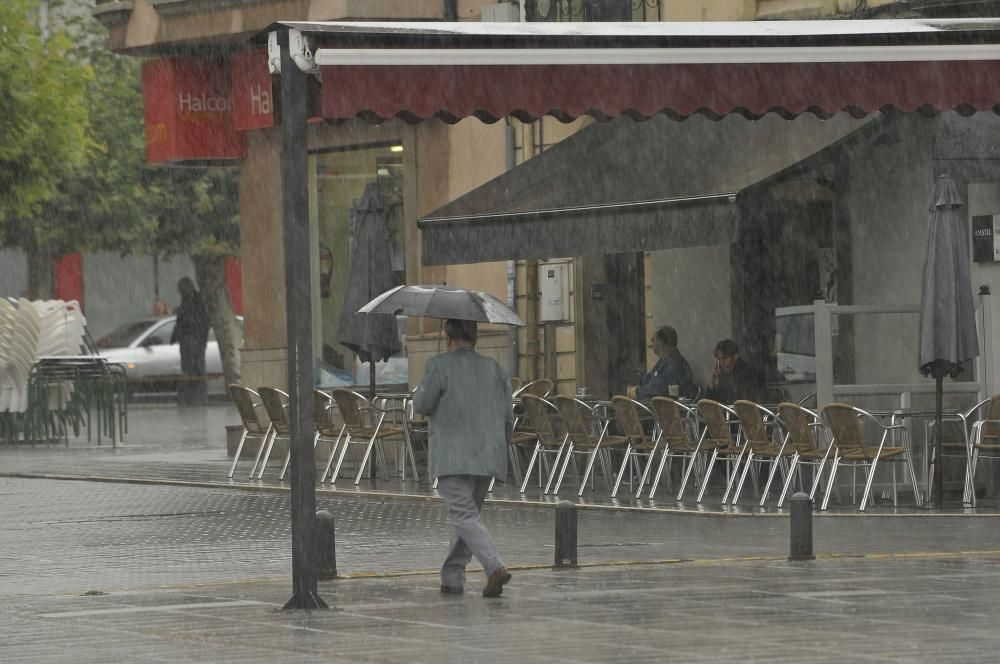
<point>734,379</point>
<point>671,375</point>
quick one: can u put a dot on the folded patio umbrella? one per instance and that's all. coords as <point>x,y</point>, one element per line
<point>947,313</point>
<point>373,337</point>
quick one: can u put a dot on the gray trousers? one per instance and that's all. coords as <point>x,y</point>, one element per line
<point>469,537</point>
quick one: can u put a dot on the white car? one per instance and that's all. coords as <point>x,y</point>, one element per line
<point>151,362</point>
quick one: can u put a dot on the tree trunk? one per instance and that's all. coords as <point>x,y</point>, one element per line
<point>40,283</point>
<point>210,272</point>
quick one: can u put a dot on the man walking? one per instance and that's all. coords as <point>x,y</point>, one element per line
<point>467,398</point>
<point>191,330</point>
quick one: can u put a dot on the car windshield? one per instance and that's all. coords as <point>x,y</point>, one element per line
<point>124,335</point>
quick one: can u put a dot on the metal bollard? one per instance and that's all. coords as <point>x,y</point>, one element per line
<point>801,528</point>
<point>565,534</point>
<point>326,546</point>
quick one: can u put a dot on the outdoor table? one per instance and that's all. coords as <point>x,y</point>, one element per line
<point>898,415</point>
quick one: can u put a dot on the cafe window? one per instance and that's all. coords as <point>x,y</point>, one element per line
<point>339,180</point>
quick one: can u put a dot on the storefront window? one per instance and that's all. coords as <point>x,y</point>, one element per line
<point>339,183</point>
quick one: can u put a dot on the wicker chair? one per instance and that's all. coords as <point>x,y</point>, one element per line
<point>983,442</point>
<point>629,414</point>
<point>677,426</point>
<point>586,434</point>
<point>366,425</point>
<point>764,444</point>
<point>802,427</point>
<point>853,449</point>
<point>248,403</point>
<point>276,405</point>
<point>540,414</point>
<point>539,388</point>
<point>718,437</point>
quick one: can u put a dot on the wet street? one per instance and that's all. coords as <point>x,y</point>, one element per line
<point>142,567</point>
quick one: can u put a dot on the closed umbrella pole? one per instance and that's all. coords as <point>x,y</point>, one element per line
<point>372,337</point>
<point>948,338</point>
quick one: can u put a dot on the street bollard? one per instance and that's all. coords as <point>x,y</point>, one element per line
<point>565,534</point>
<point>801,528</point>
<point>326,546</point>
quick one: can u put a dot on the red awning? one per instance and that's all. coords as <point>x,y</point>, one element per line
<point>451,93</point>
<point>451,71</point>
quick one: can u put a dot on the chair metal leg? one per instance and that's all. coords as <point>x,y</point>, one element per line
<point>646,469</point>
<point>621,471</point>
<point>731,476</point>
<point>260,450</point>
<point>267,455</point>
<point>690,467</point>
<point>664,457</point>
<point>829,482</point>
<point>708,475</point>
<point>365,459</point>
<point>531,465</point>
<point>895,497</point>
<point>333,454</point>
<point>587,474</point>
<point>562,473</point>
<point>775,464</point>
<point>340,460</point>
<point>868,484</point>
<point>239,450</point>
<point>288,457</point>
<point>413,457</point>
<point>556,465</point>
<point>917,495</point>
<point>747,465</point>
<point>788,479</point>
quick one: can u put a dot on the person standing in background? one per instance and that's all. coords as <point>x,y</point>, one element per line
<point>191,331</point>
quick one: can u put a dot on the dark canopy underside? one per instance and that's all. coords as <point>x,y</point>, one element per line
<point>626,186</point>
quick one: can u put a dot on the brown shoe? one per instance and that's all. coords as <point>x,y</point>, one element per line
<point>495,584</point>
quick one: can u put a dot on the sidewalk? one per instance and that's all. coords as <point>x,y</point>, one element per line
<point>154,567</point>
<point>903,611</point>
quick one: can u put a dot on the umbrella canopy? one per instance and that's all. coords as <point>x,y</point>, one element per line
<point>947,313</point>
<point>443,302</point>
<point>375,337</point>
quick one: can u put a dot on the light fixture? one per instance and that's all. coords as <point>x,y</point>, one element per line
<point>396,148</point>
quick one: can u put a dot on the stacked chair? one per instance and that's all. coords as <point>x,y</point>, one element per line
<point>50,378</point>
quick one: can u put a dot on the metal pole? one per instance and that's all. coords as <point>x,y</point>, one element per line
<point>938,404</point>
<point>298,288</point>
<point>801,544</point>
<point>565,534</point>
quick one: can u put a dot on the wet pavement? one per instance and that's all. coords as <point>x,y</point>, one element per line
<point>898,610</point>
<point>165,560</point>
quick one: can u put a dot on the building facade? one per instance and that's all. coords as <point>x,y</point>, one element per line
<point>611,303</point>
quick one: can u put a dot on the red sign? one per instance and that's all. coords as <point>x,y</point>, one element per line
<point>253,96</point>
<point>188,110</point>
<point>68,272</point>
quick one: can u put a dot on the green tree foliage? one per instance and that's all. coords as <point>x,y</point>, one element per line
<point>73,176</point>
<point>44,123</point>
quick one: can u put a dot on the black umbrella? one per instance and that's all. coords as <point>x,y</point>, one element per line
<point>443,302</point>
<point>947,314</point>
<point>373,337</point>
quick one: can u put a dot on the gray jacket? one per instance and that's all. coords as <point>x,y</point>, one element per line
<point>467,398</point>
